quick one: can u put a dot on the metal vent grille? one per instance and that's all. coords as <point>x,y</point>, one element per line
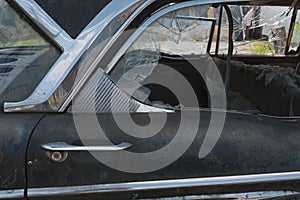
<point>101,94</point>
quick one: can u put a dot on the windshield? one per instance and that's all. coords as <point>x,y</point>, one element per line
<point>25,56</point>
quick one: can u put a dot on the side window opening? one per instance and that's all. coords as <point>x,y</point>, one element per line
<point>182,32</point>
<point>266,89</point>
<point>25,55</point>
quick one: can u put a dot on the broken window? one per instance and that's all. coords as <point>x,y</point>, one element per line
<point>254,88</point>
<point>270,88</point>
<point>258,30</point>
<point>182,32</point>
<point>186,31</point>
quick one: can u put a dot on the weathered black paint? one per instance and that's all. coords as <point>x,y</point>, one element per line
<point>249,144</point>
<point>15,130</point>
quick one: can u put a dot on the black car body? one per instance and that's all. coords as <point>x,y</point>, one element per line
<point>85,113</point>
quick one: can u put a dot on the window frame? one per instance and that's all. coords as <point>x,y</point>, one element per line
<point>61,72</point>
<point>137,33</point>
<point>146,24</point>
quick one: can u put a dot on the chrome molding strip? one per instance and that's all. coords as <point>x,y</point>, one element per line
<point>45,22</point>
<point>164,184</point>
<point>251,195</point>
<point>11,194</point>
<point>73,51</point>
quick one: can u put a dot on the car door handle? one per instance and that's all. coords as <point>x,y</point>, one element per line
<point>64,147</point>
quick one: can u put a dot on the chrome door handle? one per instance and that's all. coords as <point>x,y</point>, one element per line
<point>64,147</point>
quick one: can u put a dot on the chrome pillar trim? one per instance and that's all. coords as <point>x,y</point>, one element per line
<point>11,194</point>
<point>250,195</point>
<point>45,22</point>
<point>39,101</point>
<point>100,56</point>
<point>164,184</point>
<point>153,18</point>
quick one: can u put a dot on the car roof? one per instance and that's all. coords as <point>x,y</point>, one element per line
<point>74,15</point>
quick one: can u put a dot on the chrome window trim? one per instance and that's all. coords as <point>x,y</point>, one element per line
<point>164,184</point>
<point>152,19</point>
<point>167,9</point>
<point>39,100</point>
<point>250,195</point>
<point>12,194</point>
<point>94,65</point>
<point>73,51</point>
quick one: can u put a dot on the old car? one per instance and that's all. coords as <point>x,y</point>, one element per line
<point>147,99</point>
